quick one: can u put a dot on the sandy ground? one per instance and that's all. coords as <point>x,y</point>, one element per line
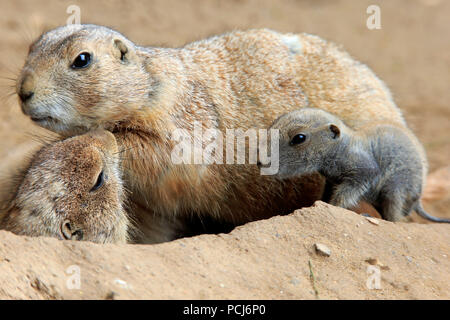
<point>268,259</point>
<point>410,53</point>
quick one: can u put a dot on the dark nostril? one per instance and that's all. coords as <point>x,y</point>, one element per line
<point>70,233</point>
<point>26,86</point>
<point>25,95</point>
<point>259,163</point>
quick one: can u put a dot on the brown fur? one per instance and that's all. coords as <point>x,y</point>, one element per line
<point>243,79</point>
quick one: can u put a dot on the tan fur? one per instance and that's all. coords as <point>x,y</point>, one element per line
<point>243,79</point>
<point>56,187</point>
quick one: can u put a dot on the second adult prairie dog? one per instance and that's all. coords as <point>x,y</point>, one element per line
<point>383,164</point>
<point>72,189</point>
<point>78,77</point>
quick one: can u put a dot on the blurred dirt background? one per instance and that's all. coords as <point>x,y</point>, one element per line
<point>411,51</point>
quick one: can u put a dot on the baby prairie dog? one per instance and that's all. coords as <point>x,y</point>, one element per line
<point>78,77</point>
<point>72,189</point>
<point>383,164</point>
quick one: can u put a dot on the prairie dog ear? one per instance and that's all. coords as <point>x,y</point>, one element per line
<point>335,131</point>
<point>122,51</point>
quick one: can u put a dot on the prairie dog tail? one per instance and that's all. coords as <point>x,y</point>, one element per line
<point>421,211</point>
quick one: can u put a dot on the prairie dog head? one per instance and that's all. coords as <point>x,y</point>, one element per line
<point>72,190</point>
<point>78,77</point>
<point>306,138</point>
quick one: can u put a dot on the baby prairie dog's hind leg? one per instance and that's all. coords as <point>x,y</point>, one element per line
<point>392,206</point>
<point>347,194</point>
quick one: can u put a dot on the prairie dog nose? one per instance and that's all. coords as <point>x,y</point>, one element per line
<point>69,232</point>
<point>25,88</point>
<point>107,139</point>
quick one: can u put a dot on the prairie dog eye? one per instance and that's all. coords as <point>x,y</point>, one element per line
<point>99,182</point>
<point>298,139</point>
<point>82,61</point>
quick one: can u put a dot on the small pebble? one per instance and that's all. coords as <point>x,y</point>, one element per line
<point>121,283</point>
<point>376,262</point>
<point>373,220</point>
<point>111,295</point>
<point>322,249</point>
<point>372,261</point>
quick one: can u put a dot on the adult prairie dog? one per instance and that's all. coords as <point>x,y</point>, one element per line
<point>78,77</point>
<point>72,189</point>
<point>383,164</point>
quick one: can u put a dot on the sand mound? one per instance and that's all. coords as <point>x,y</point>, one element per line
<point>268,259</point>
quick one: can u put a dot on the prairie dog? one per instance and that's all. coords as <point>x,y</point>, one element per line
<point>383,164</point>
<point>79,77</point>
<point>72,190</point>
